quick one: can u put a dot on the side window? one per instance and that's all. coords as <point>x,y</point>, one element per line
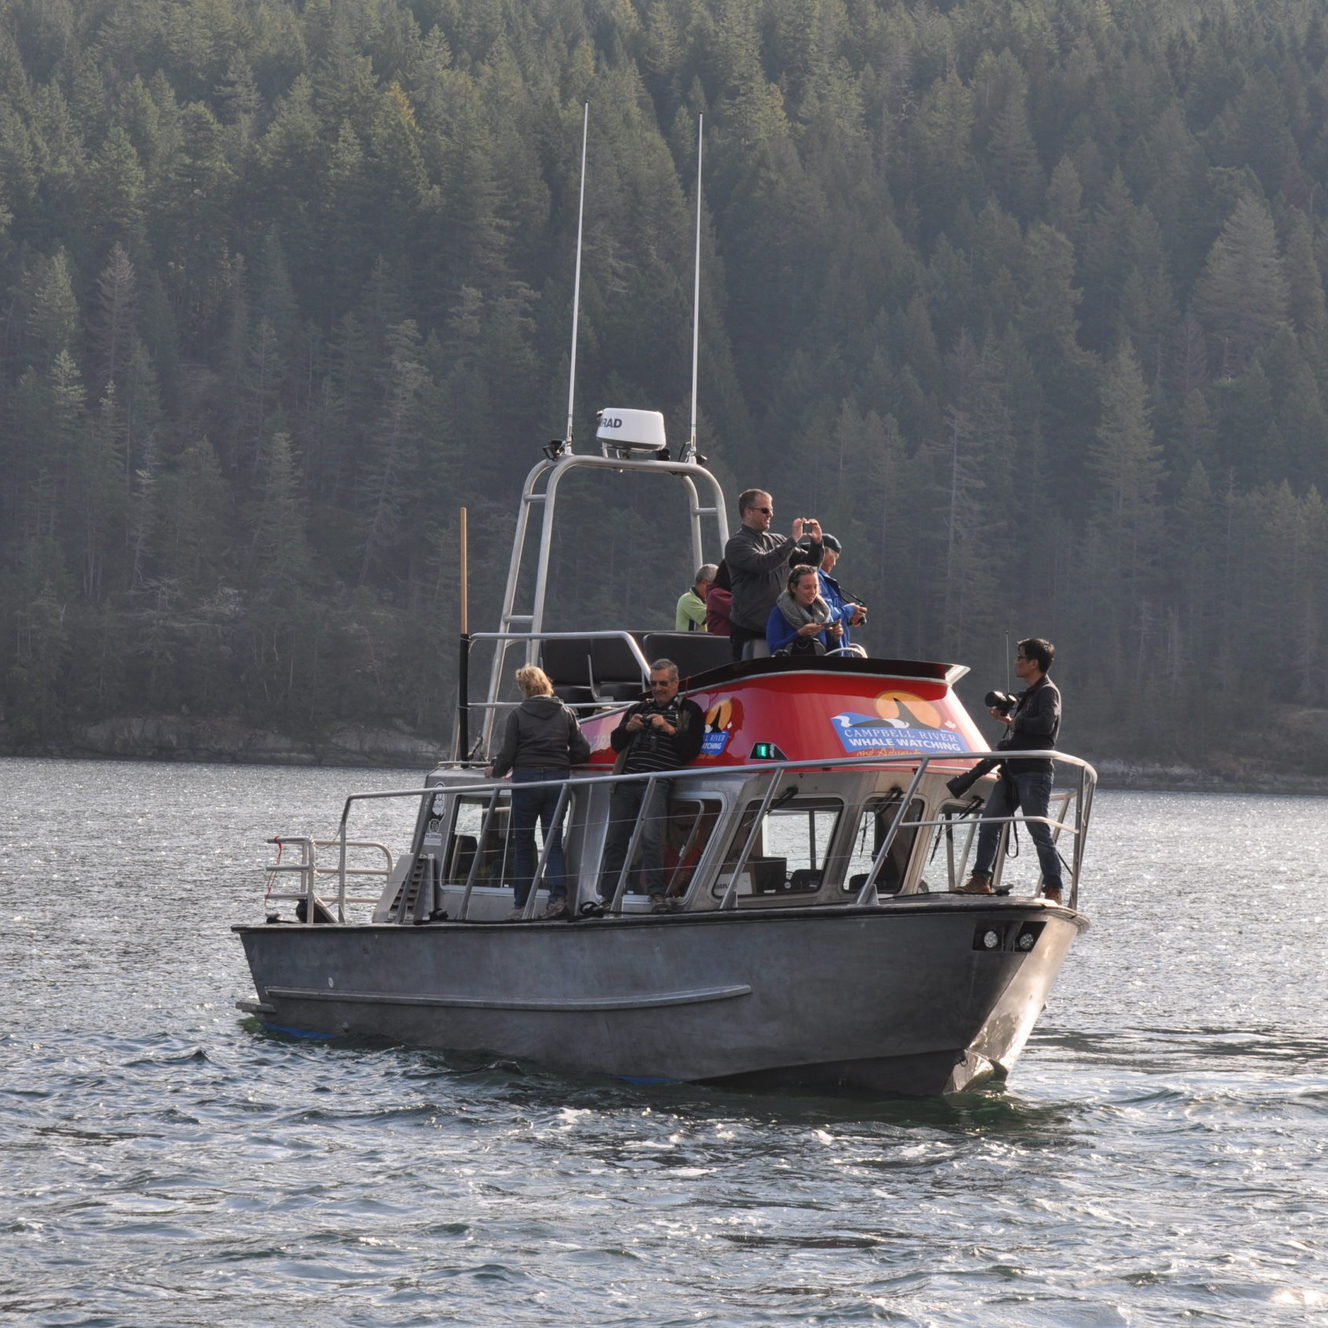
<point>873,826</point>
<point>464,843</point>
<point>789,853</point>
<point>691,823</point>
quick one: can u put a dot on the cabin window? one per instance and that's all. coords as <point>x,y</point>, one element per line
<point>874,824</point>
<point>691,823</point>
<point>469,837</point>
<point>788,856</point>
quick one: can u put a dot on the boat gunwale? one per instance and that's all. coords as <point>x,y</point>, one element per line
<point>938,902</point>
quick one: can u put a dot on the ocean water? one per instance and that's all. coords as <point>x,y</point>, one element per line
<point>1159,1157</point>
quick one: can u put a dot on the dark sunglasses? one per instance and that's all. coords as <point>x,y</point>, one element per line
<point>769,511</point>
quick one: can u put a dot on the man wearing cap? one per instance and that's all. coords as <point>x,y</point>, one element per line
<point>690,614</point>
<point>758,561</point>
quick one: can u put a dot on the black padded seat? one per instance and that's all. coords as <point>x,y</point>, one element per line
<point>692,652</point>
<point>567,662</point>
<point>615,665</point>
<point>590,669</point>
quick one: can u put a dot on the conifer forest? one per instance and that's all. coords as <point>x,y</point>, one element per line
<point>1023,299</point>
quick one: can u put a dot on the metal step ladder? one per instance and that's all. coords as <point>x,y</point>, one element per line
<point>414,902</point>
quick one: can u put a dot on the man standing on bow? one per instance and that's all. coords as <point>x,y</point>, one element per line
<point>1034,723</point>
<point>758,562</point>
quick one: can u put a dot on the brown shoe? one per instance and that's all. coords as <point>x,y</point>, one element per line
<point>977,884</point>
<point>1052,893</point>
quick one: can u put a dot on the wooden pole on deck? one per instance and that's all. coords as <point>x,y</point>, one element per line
<point>463,672</point>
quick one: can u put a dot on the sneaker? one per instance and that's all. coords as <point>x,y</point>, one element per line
<point>591,908</point>
<point>556,909</point>
<point>977,884</point>
<point>663,904</point>
<point>516,915</point>
<point>1052,894</point>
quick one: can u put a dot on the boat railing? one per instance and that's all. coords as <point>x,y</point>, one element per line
<point>1068,815</point>
<point>602,687</point>
<point>307,870</point>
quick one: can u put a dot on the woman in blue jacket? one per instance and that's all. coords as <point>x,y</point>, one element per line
<point>802,623</point>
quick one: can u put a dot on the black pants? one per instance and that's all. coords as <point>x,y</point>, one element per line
<point>739,636</point>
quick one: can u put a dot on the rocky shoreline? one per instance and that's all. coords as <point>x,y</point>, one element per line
<point>220,741</point>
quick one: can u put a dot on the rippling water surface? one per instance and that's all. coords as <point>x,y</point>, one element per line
<point>1158,1158</point>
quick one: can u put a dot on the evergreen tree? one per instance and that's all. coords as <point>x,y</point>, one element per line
<point>1242,296</point>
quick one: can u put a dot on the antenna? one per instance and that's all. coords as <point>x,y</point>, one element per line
<point>689,452</point>
<point>556,448</point>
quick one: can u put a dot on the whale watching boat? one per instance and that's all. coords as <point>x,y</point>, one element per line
<point>813,852</point>
<point>814,848</point>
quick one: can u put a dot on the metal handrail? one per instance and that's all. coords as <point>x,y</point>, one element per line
<point>308,868</point>
<point>1080,797</point>
<point>619,634</point>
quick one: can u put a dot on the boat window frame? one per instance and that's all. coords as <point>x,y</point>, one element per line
<point>501,829</point>
<point>736,862</point>
<point>709,802</point>
<point>884,807</point>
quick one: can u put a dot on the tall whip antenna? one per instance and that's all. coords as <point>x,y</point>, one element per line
<point>576,288</point>
<point>690,452</point>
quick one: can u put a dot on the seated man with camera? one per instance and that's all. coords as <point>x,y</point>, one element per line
<point>1034,720</point>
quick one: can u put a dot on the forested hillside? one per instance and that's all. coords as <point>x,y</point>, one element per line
<point>1024,300</point>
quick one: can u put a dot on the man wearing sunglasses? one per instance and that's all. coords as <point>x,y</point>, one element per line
<point>664,731</point>
<point>758,562</point>
<point>1024,784</point>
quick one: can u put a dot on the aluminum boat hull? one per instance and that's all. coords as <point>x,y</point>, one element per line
<point>908,998</point>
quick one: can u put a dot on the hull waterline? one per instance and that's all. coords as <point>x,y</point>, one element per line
<point>903,1000</point>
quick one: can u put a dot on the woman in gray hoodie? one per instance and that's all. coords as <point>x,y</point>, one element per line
<point>542,741</point>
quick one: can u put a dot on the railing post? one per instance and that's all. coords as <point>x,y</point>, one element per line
<point>869,885</point>
<point>730,894</point>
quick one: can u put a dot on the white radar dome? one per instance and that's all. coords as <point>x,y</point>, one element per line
<point>626,433</point>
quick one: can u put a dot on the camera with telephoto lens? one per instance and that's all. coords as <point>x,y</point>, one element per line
<point>960,784</point>
<point>1002,702</point>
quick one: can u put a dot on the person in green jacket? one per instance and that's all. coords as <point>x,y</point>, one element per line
<point>690,615</point>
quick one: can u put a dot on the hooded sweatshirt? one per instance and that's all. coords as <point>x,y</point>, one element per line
<point>541,732</point>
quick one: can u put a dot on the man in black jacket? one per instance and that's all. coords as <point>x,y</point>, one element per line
<point>758,563</point>
<point>1034,724</point>
<point>662,732</point>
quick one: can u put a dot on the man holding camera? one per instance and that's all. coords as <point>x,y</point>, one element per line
<point>1034,720</point>
<point>758,562</point>
<point>662,732</point>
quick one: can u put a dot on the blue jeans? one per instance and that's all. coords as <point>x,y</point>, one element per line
<point>528,806</point>
<point>627,805</point>
<point>1032,794</point>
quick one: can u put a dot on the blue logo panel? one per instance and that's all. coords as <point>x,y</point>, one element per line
<point>859,734</point>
